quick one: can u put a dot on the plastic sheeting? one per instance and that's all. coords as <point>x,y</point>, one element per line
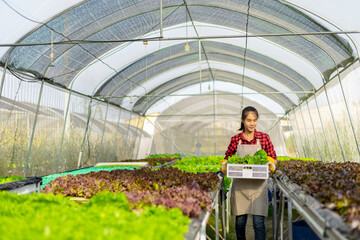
<point>204,130</point>
<point>126,20</point>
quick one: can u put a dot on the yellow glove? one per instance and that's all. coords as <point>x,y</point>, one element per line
<point>223,164</point>
<point>272,166</point>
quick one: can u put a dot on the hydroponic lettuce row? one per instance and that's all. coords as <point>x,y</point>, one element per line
<point>193,161</point>
<point>189,201</point>
<point>10,179</point>
<point>127,180</point>
<point>153,162</point>
<point>162,184</point>
<point>47,179</point>
<point>105,216</point>
<point>336,185</point>
<point>285,158</point>
<point>121,166</point>
<point>202,164</point>
<point>260,157</point>
<point>165,155</point>
<point>198,168</point>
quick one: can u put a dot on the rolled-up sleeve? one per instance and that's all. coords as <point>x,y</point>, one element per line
<point>269,148</point>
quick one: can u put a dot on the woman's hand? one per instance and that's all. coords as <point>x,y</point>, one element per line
<point>223,164</point>
<point>272,166</point>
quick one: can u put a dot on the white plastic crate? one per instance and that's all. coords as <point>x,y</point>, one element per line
<point>247,171</point>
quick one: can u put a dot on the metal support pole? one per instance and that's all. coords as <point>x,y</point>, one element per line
<point>126,138</point>
<point>283,136</point>
<point>63,132</point>
<point>298,126</point>
<point>223,223</point>
<point>200,66</point>
<point>334,122</point>
<point>282,217</point>
<point>290,218</point>
<point>116,134</point>
<point>292,136</point>
<point>203,227</point>
<point>214,109</point>
<point>134,142</point>
<point>281,210</point>
<point>38,187</point>
<point>350,118</point>
<point>161,19</point>
<point>85,133</point>
<point>73,42</point>
<point>217,217</point>
<point>306,133</point>
<point>323,129</point>
<point>301,142</point>
<point>203,94</point>
<point>103,132</point>
<point>312,124</point>
<point>4,72</point>
<point>34,127</point>
<point>228,209</point>
<point>274,210</point>
<point>142,129</point>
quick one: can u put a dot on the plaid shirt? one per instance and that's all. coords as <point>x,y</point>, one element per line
<point>265,143</point>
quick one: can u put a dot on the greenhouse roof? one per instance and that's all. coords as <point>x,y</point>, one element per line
<point>285,68</point>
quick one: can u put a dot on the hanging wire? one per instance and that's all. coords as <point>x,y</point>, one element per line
<point>22,77</point>
<point>52,49</point>
<point>197,34</point>
<point>245,51</point>
<point>146,76</point>
<point>187,47</point>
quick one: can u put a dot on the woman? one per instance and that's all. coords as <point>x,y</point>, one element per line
<point>250,196</point>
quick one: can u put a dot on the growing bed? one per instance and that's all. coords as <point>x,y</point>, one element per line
<point>325,194</point>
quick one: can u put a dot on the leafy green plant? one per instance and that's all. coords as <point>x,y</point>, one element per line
<point>106,216</point>
<point>10,179</point>
<point>153,162</point>
<point>194,161</point>
<point>336,185</point>
<point>47,179</point>
<point>202,164</point>
<point>169,187</point>
<point>285,158</point>
<point>121,166</point>
<point>260,157</point>
<point>165,155</point>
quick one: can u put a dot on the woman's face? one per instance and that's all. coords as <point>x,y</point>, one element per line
<point>250,122</point>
